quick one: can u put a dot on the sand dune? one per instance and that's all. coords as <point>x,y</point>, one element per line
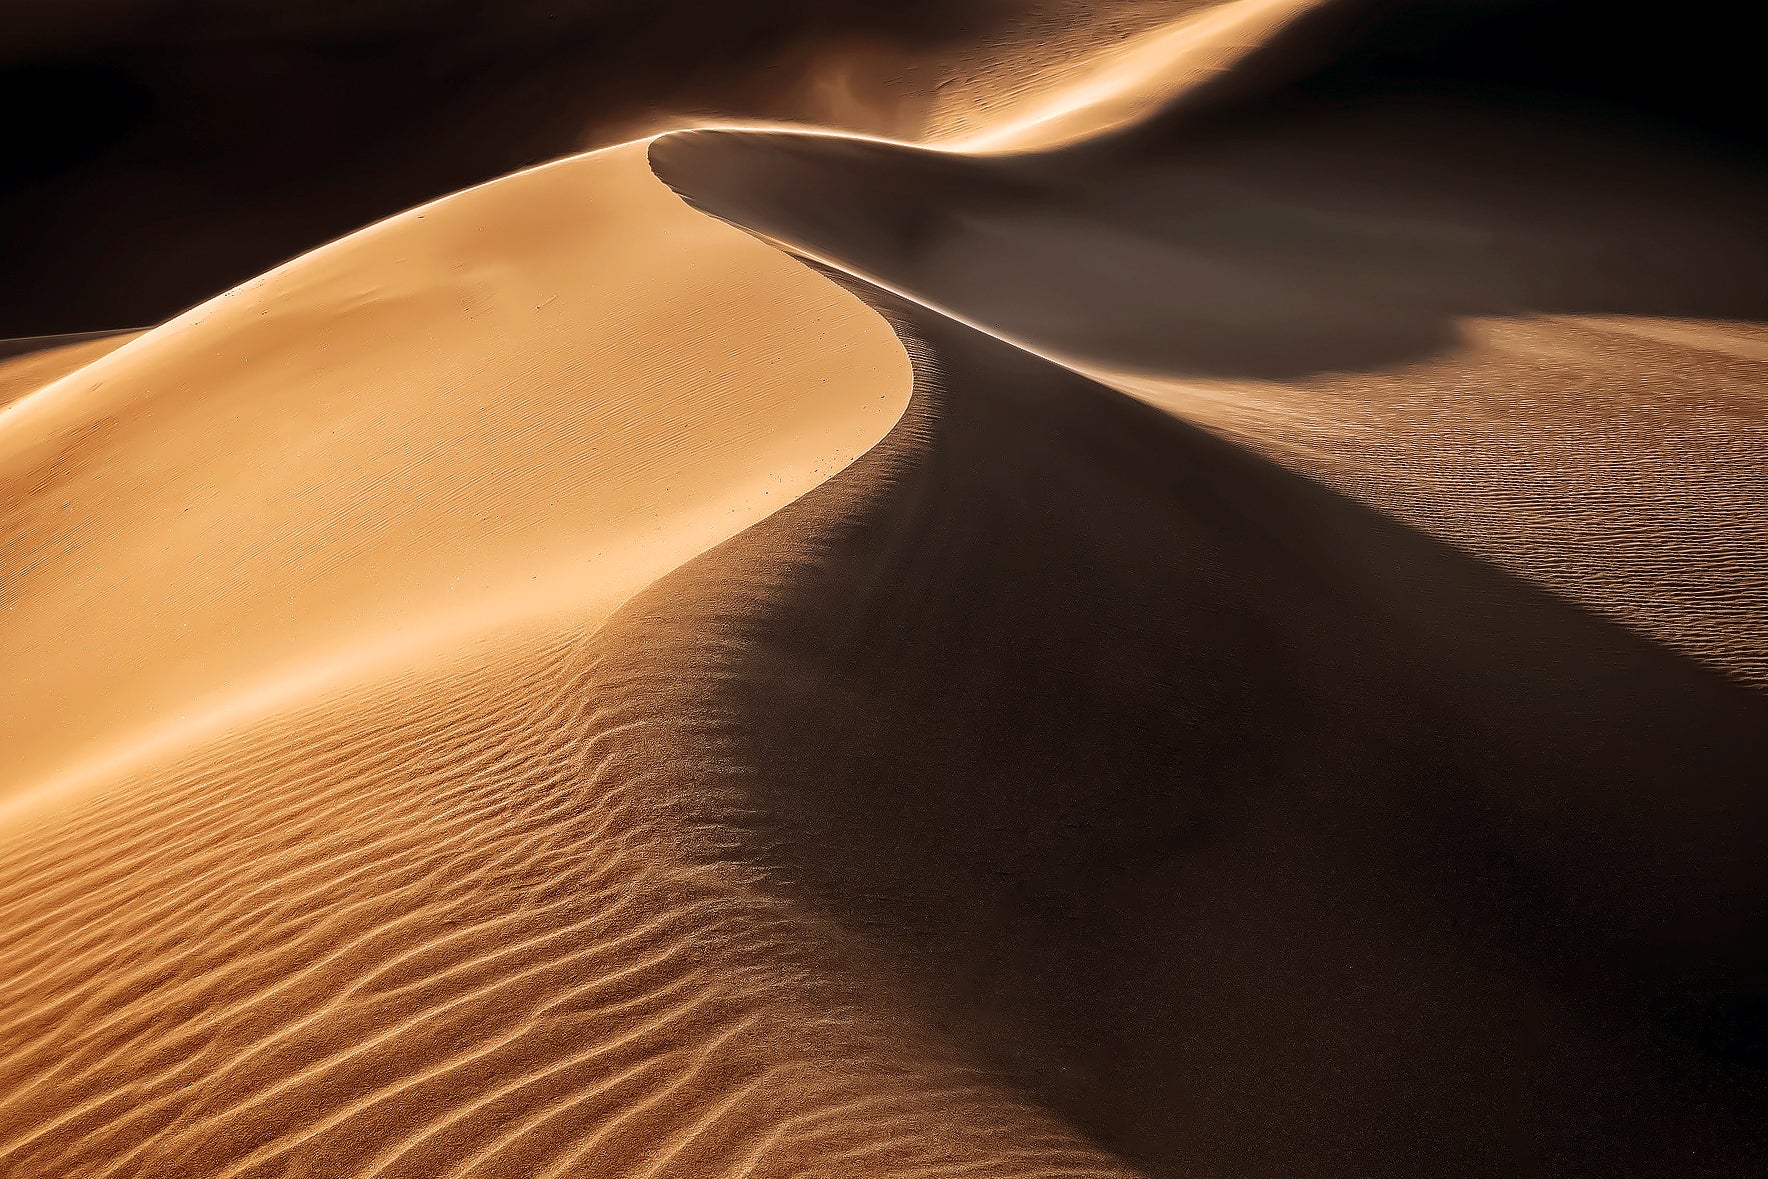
<point>686,661</point>
<point>29,364</point>
<point>449,422</point>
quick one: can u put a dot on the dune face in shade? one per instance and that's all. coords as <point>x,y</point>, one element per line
<point>1558,365</point>
<point>1131,590</point>
<point>1231,890</point>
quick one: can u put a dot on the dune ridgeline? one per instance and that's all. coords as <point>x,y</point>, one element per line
<point>1157,589</point>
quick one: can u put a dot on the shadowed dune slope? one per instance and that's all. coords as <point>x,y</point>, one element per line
<point>1538,340</point>
<point>1249,829</point>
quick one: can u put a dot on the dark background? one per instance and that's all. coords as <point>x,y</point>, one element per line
<point>159,151</point>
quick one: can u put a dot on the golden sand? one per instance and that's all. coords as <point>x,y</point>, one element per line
<point>573,680</point>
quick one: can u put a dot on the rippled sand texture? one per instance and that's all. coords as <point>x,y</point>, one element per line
<point>685,661</point>
<point>456,925</point>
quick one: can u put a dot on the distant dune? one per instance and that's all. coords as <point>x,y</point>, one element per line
<point>1163,589</point>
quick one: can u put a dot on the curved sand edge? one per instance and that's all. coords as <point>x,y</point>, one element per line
<point>1450,323</point>
<point>549,457</point>
<point>187,383</point>
<point>28,365</point>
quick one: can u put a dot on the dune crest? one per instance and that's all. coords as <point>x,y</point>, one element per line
<point>450,422</point>
<point>41,362</point>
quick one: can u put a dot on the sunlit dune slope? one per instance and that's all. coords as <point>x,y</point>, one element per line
<point>1540,341</point>
<point>40,362</point>
<point>534,396</point>
<point>388,441</point>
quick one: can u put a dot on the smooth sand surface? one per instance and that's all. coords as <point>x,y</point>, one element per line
<point>534,396</point>
<point>27,365</point>
<point>685,661</point>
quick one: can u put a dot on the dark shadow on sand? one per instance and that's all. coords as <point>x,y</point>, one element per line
<point>1341,236</point>
<point>1252,830</point>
